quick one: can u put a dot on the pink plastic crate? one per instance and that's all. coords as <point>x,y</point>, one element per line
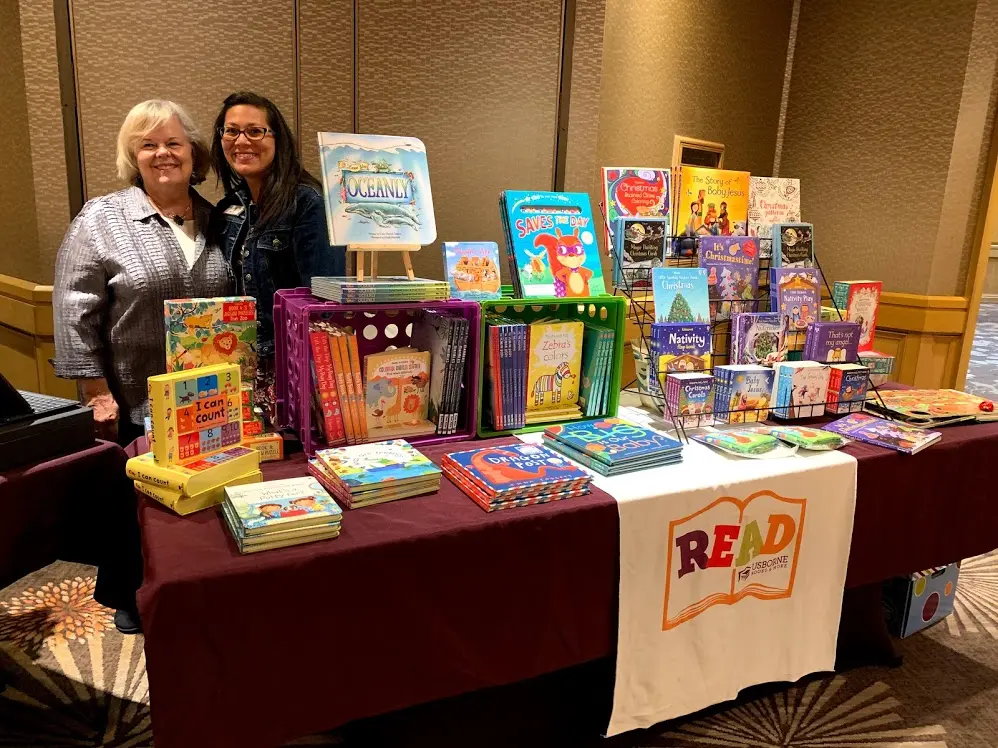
<point>293,309</point>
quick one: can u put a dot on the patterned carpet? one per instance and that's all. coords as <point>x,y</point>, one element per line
<point>982,374</point>
<point>74,681</point>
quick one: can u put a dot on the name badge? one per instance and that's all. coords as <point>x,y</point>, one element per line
<point>234,210</point>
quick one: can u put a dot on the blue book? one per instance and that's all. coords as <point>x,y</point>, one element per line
<point>551,244</point>
<point>366,465</point>
<point>472,269</point>
<point>516,470</point>
<point>377,189</point>
<point>613,441</point>
<point>680,295</point>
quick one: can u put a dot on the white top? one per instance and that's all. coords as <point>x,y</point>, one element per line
<point>186,235</point>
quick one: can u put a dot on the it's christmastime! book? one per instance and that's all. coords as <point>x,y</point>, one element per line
<point>732,265</point>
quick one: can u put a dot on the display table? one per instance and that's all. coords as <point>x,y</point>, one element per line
<point>51,509</point>
<point>431,597</point>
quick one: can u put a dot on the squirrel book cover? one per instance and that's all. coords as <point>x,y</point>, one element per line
<point>555,366</point>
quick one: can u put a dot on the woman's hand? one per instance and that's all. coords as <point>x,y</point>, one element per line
<point>96,394</point>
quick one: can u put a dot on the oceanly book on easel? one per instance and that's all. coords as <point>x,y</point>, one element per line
<point>377,189</point>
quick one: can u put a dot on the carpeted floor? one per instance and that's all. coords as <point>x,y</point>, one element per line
<point>982,374</point>
<point>74,681</point>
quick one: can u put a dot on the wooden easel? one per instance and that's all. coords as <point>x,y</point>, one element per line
<point>374,249</point>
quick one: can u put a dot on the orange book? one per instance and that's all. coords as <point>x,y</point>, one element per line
<point>358,385</point>
<point>344,382</point>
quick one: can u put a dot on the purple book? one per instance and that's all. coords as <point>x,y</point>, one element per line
<point>832,342</point>
<point>796,294</point>
<point>732,265</point>
<point>757,338</point>
<point>681,347</point>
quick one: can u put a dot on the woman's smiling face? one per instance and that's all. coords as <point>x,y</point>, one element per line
<point>164,155</point>
<point>248,158</point>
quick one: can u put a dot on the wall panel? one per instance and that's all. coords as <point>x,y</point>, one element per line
<point>477,81</point>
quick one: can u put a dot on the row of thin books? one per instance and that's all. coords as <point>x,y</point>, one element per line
<point>385,290</point>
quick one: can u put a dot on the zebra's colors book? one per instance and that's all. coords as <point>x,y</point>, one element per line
<point>555,366</point>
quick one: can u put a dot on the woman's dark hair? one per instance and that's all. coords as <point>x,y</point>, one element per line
<point>277,195</point>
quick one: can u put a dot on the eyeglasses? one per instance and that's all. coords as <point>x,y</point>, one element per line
<point>251,133</point>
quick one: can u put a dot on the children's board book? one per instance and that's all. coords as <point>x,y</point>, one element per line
<point>793,245</point>
<point>832,342</point>
<point>858,302</point>
<point>635,192</point>
<point>183,504</point>
<point>368,465</point>
<point>801,389</point>
<point>397,393</point>
<point>281,504</point>
<point>195,413</point>
<point>473,270</point>
<point>690,398</point>
<point>732,265</point>
<point>551,244</point>
<point>742,393</point>
<point>877,431</point>
<point>847,386</point>
<point>613,440</point>
<point>771,200</point>
<point>517,470</point>
<point>555,367</point>
<point>678,347</point>
<point>204,332</point>
<point>757,338</point>
<point>796,294</point>
<point>680,295</point>
<point>194,477</point>
<point>712,202</point>
<point>377,189</point>
<point>934,407</point>
<point>641,245</point>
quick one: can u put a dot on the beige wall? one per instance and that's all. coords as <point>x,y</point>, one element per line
<point>887,124</point>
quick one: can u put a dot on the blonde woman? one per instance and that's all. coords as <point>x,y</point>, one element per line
<point>124,254</point>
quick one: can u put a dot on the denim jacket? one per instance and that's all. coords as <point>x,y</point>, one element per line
<point>286,254</point>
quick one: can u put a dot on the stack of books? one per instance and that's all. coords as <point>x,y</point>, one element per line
<point>505,376</point>
<point>388,289</point>
<point>280,513</point>
<point>882,433</point>
<point>612,446</point>
<point>195,439</point>
<point>514,475</point>
<point>374,473</point>
<point>932,408</point>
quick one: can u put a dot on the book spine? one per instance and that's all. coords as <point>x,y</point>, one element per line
<point>160,397</point>
<point>344,382</point>
<point>449,417</point>
<point>458,378</point>
<point>446,373</point>
<point>327,387</point>
<point>358,385</point>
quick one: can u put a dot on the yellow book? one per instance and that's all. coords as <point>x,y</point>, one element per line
<point>711,202</point>
<point>396,396</point>
<point>194,477</point>
<point>270,446</point>
<point>555,367</point>
<point>183,504</point>
<point>195,413</point>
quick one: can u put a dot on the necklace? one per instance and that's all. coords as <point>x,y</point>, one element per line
<point>177,218</point>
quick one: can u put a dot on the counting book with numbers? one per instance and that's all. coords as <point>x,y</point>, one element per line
<point>195,413</point>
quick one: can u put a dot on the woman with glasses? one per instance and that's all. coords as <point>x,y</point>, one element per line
<point>123,255</point>
<point>271,223</point>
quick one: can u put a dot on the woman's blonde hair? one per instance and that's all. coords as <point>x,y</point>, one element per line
<point>146,117</point>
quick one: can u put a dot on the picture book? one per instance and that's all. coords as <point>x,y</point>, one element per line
<point>194,477</point>
<point>195,413</point>
<point>516,470</point>
<point>280,504</point>
<point>551,246</point>
<point>635,192</point>
<point>732,265</point>
<point>881,433</point>
<point>641,245</point>
<point>377,189</point>
<point>934,407</point>
<point>678,347</point>
<point>757,338</point>
<point>183,504</point>
<point>711,202</point>
<point>690,398</point>
<point>858,302</point>
<point>613,440</point>
<point>680,295</point>
<point>832,342</point>
<point>589,461</point>
<point>472,269</point>
<point>881,365</point>
<point>434,333</point>
<point>385,289</point>
<point>796,294</point>
<point>204,332</point>
<point>397,393</point>
<point>742,392</point>
<point>771,200</point>
<point>847,386</point>
<point>793,245</point>
<point>325,382</point>
<point>368,465</point>
<point>555,367</point>
<point>800,390</point>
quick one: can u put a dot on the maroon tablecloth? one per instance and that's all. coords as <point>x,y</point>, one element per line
<point>48,509</point>
<point>431,597</point>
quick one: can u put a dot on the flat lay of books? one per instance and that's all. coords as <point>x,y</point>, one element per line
<point>612,446</point>
<point>381,290</point>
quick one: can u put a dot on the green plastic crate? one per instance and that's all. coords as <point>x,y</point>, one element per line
<point>608,310</point>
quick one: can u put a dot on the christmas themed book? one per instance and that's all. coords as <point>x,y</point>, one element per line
<point>732,265</point>
<point>795,293</point>
<point>882,433</point>
<point>473,270</point>
<point>858,302</point>
<point>516,471</point>
<point>635,192</point>
<point>195,413</point>
<point>678,347</point>
<point>742,393</point>
<point>641,245</point>
<point>377,189</point>
<point>690,398</point>
<point>832,342</point>
<point>793,245</point>
<point>205,332</point>
<point>555,366</point>
<point>711,202</point>
<point>933,407</point>
<point>801,389</point>
<point>771,200</point>
<point>194,477</point>
<point>613,441</point>
<point>847,386</point>
<point>757,338</point>
<point>551,245</point>
<point>279,505</point>
<point>397,394</point>
<point>680,295</point>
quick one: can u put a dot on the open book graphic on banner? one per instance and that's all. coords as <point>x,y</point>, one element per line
<point>730,550</point>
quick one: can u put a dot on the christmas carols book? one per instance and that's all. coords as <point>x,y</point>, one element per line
<point>397,394</point>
